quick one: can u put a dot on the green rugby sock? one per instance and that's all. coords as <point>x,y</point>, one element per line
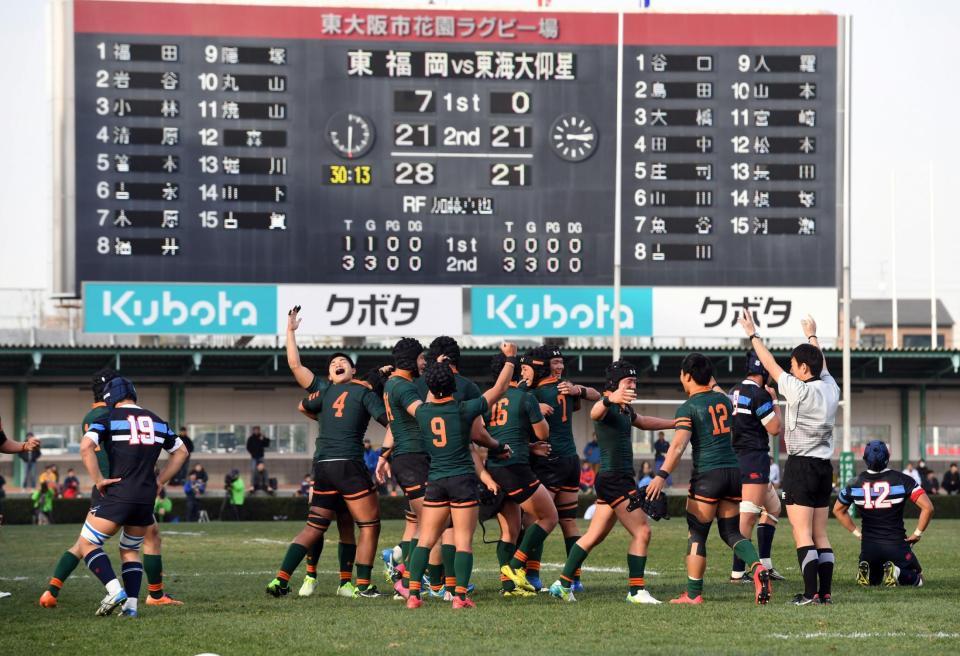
<point>694,587</point>
<point>435,571</point>
<point>65,566</point>
<point>504,554</point>
<point>532,538</point>
<point>364,573</point>
<point>533,559</point>
<point>153,568</point>
<point>291,560</point>
<point>463,568</point>
<point>345,554</point>
<point>313,557</point>
<point>635,567</point>
<point>448,553</point>
<point>574,561</point>
<point>418,563</point>
<point>746,552</point>
<point>568,544</point>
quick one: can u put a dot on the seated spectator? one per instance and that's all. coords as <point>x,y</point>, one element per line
<point>43,498</point>
<point>71,486</point>
<point>49,476</point>
<point>262,481</point>
<point>201,473</point>
<point>305,485</point>
<point>646,474</point>
<point>163,506</point>
<point>951,480</point>
<point>193,488</point>
<point>591,453</point>
<point>587,477</point>
<point>930,484</point>
<point>912,473</point>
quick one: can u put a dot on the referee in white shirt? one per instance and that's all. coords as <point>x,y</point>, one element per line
<point>812,397</point>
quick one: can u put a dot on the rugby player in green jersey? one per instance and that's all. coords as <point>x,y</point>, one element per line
<point>613,420</point>
<point>152,560</point>
<point>543,369</point>
<point>705,420</point>
<point>342,485</point>
<point>516,420</point>
<point>449,426</point>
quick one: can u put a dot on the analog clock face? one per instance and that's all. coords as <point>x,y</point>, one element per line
<point>573,137</point>
<point>351,135</point>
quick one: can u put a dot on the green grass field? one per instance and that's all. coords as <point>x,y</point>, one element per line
<point>220,571</point>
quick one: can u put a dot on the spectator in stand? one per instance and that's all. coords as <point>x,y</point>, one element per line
<point>201,473</point>
<point>305,486</point>
<point>49,476</point>
<point>922,469</point>
<point>930,484</point>
<point>181,476</point>
<point>193,488</point>
<point>71,486</point>
<point>257,444</point>
<point>951,480</point>
<point>30,459</point>
<point>774,473</point>
<point>236,494</point>
<point>591,453</point>
<point>43,504</point>
<point>262,481</point>
<point>660,448</point>
<point>163,506</point>
<point>587,477</point>
<point>646,474</point>
<point>912,473</point>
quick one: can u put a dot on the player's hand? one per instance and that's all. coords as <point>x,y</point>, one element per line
<point>772,392</point>
<point>293,318</point>
<point>491,485</point>
<point>385,370</point>
<point>624,396</point>
<point>655,487</point>
<point>746,322</point>
<point>809,326</point>
<point>568,388</point>
<point>104,483</point>
<point>540,448</point>
<point>913,539</point>
<point>384,472</point>
<point>32,444</point>
<point>509,349</point>
<point>546,410</point>
<point>506,453</point>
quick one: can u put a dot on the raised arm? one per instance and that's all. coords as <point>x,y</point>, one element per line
<point>303,375</point>
<point>810,332</point>
<point>766,358</point>
<point>506,374</point>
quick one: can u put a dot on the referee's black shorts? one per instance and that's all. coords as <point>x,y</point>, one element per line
<point>807,482</point>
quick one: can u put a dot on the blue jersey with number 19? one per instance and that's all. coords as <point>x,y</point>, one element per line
<point>132,437</point>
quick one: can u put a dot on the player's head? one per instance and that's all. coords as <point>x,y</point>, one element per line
<point>555,359</point>
<point>100,380</point>
<point>406,353</point>
<point>756,368</point>
<point>806,362</point>
<point>876,455</point>
<point>496,366</point>
<point>696,370</point>
<point>440,379</point>
<point>447,346</point>
<point>119,389</point>
<point>535,365</point>
<point>620,374</point>
<point>340,368</point>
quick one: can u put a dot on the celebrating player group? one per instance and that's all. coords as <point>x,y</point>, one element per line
<point>452,448</point>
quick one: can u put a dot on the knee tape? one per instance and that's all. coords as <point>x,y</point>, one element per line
<point>411,516</point>
<point>373,523</point>
<point>697,542</point>
<point>92,535</point>
<point>729,528</point>
<point>567,511</point>
<point>129,542</point>
<point>318,522</point>
<point>750,507</point>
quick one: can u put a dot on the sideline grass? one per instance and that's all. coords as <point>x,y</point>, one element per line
<point>220,571</point>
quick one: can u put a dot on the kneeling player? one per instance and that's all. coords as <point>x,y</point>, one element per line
<point>132,438</point>
<point>448,427</point>
<point>616,485</point>
<point>516,420</point>
<point>704,419</point>
<point>886,556</point>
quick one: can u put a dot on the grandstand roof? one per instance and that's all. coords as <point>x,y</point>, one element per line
<point>911,312</point>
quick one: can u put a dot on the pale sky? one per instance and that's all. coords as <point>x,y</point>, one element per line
<point>905,99</point>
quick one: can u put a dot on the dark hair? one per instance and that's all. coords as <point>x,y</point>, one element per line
<point>100,380</point>
<point>699,367</point>
<point>440,379</point>
<point>447,346</point>
<point>496,366</point>
<point>405,354</point>
<point>340,354</point>
<point>809,355</point>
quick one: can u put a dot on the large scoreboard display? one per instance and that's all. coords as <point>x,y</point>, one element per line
<point>303,145</point>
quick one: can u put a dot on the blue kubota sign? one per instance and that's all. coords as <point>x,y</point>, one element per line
<point>169,308</point>
<point>574,311</point>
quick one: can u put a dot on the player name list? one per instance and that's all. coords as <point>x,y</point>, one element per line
<point>365,146</point>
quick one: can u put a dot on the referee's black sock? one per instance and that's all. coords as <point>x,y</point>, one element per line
<point>809,565</point>
<point>825,571</point>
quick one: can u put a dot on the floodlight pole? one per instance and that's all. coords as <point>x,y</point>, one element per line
<point>847,22</point>
<point>618,194</point>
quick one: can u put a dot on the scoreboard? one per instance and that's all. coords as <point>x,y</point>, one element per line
<point>242,144</point>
